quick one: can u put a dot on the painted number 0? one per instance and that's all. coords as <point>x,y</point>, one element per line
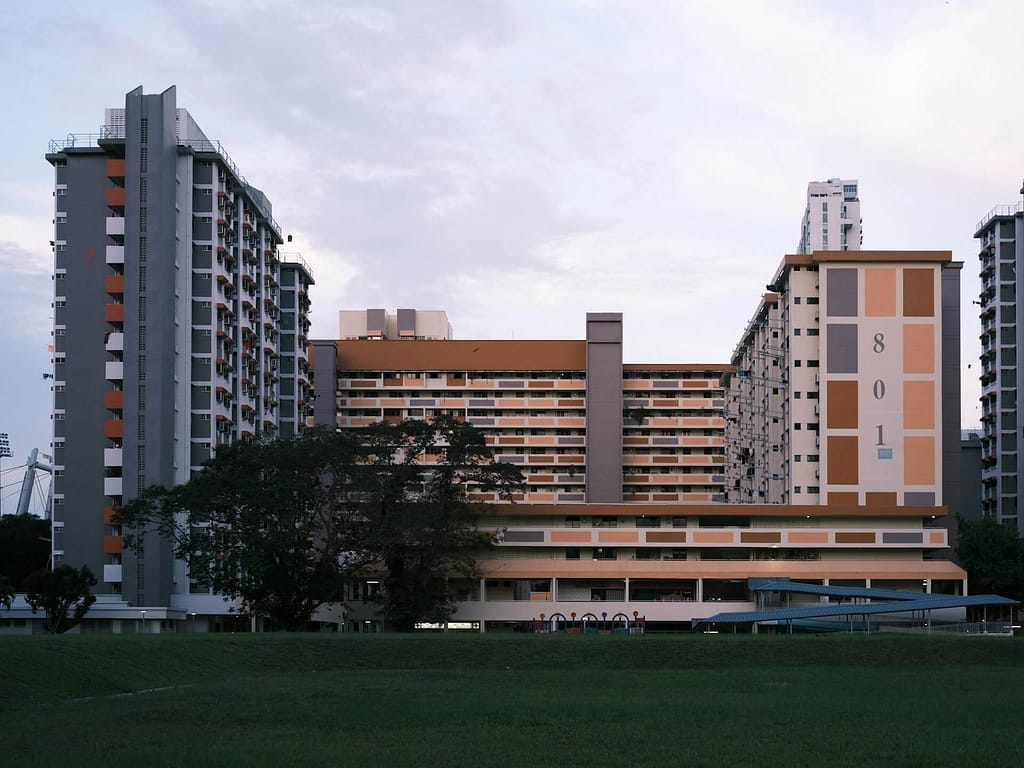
<point>879,345</point>
<point>878,389</point>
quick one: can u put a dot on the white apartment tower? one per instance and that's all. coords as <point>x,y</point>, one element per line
<point>832,217</point>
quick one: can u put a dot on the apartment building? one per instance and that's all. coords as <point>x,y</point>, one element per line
<point>631,503</point>
<point>832,217</point>
<point>1001,238</point>
<point>178,328</point>
<point>409,324</point>
<point>846,385</point>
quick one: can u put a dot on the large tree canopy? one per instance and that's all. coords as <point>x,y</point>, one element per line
<point>418,518</point>
<point>280,526</point>
<point>993,556</point>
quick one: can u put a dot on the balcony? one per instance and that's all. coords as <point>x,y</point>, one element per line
<point>112,574</point>
<point>115,342</point>
<point>112,486</point>
<point>115,254</point>
<point>115,225</point>
<point>114,371</point>
<point>113,457</point>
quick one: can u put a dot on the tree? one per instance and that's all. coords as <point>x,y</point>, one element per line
<point>258,524</point>
<point>418,518</point>
<point>63,594</point>
<point>282,526</point>
<point>993,556</point>
<point>24,547</point>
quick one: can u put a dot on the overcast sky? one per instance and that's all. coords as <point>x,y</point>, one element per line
<point>519,163</point>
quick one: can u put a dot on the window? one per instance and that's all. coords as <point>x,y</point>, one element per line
<point>812,332</point>
<point>812,299</point>
<point>796,331</point>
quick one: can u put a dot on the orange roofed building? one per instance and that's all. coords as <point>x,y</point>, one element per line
<point>658,490</point>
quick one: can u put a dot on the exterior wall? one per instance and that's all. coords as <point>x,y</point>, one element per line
<point>604,407</point>
<point>865,353</point>
<point>832,218</point>
<point>532,401</point>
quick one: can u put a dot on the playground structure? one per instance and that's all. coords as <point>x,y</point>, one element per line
<point>589,624</point>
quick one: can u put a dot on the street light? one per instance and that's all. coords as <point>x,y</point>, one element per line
<point>192,615</point>
<point>142,628</point>
<point>5,453</point>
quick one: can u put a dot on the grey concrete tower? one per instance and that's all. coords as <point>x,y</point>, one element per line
<point>604,407</point>
<point>167,331</point>
<point>1001,238</point>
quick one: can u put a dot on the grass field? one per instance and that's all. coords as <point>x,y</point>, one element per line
<point>382,700</point>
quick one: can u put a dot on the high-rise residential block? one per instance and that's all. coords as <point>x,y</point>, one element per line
<point>178,329</point>
<point>832,217</point>
<point>847,383</point>
<point>1001,238</point>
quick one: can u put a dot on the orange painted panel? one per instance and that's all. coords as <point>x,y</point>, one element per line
<point>919,348</point>
<point>108,515</point>
<point>937,537</point>
<point>112,545</point>
<point>115,168</point>
<point>760,537</point>
<point>919,293</point>
<point>666,537</point>
<point>880,292</point>
<point>808,537</point>
<point>880,499</point>
<point>842,410</point>
<point>113,399</point>
<point>113,428</point>
<point>618,537</point>
<point>849,537</point>
<point>843,461</point>
<point>919,460</point>
<point>713,537</point>
<point>114,313</point>
<point>919,405</point>
<point>115,196</point>
<point>570,537</point>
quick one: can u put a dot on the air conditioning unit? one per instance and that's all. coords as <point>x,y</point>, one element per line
<point>817,473</point>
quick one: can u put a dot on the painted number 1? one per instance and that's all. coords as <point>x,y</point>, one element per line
<point>880,440</point>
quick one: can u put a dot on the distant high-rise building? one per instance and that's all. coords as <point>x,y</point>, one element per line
<point>1001,236</point>
<point>832,217</point>
<point>178,328</point>
<point>421,324</point>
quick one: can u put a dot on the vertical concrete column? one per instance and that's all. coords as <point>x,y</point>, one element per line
<point>604,408</point>
<point>325,383</point>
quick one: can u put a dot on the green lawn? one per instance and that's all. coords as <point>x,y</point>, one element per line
<point>435,700</point>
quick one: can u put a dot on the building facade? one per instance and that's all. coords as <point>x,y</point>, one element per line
<point>632,503</point>
<point>847,383</point>
<point>832,217</point>
<point>1001,238</point>
<point>178,328</point>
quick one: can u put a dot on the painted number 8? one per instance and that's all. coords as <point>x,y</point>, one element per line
<point>879,345</point>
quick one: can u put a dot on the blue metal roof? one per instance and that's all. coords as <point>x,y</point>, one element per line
<point>923,603</point>
<point>785,585</point>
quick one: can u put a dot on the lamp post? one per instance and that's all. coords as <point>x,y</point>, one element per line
<point>192,615</point>
<point>5,453</point>
<point>142,628</point>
